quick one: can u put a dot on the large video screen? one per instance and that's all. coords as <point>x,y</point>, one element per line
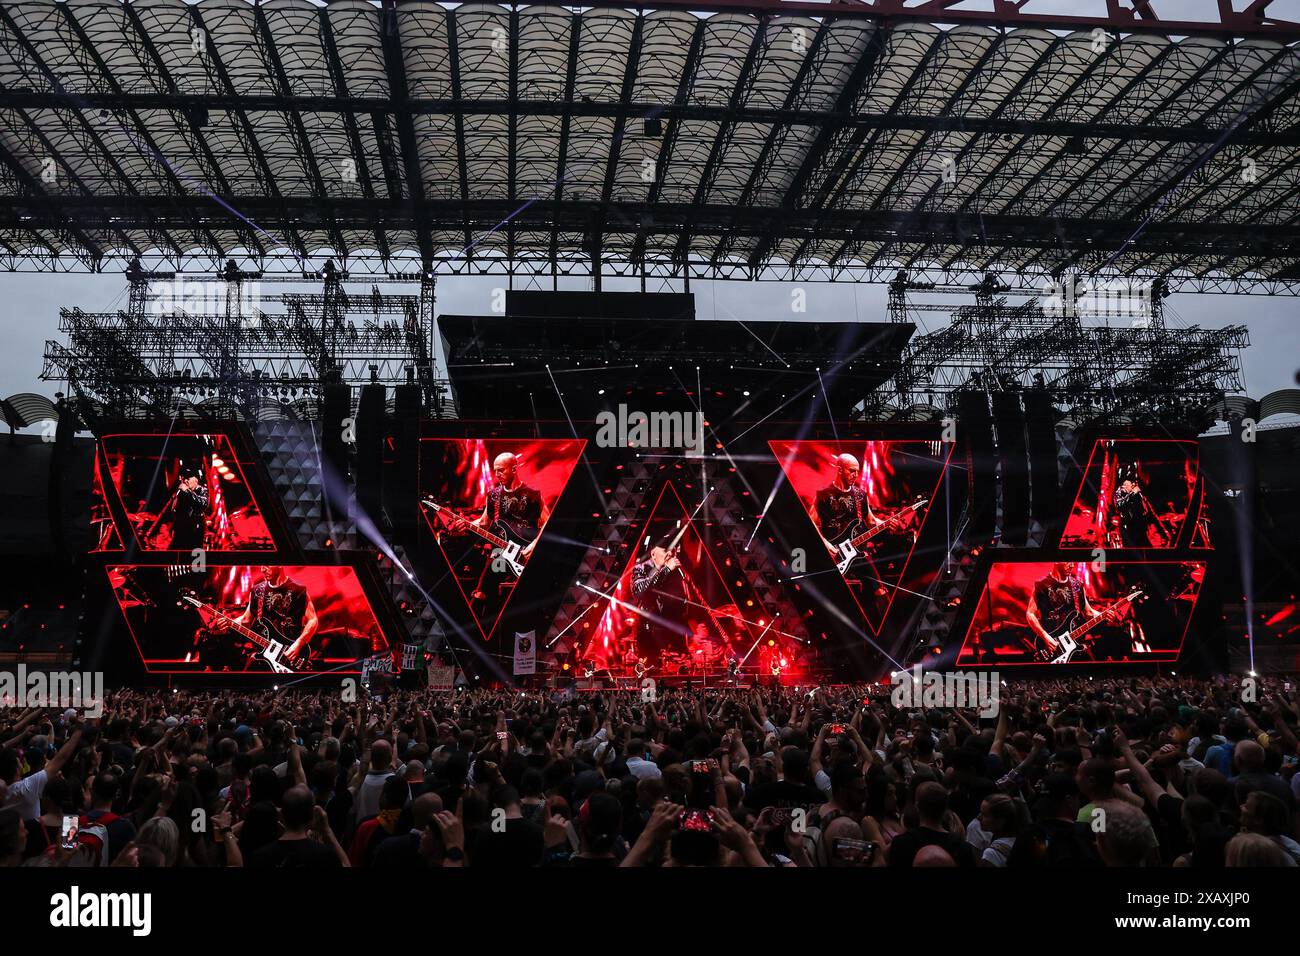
<point>486,502</point>
<point>270,619</point>
<point>1067,612</point>
<point>681,606</point>
<point>179,492</point>
<point>1136,493</point>
<point>866,501</point>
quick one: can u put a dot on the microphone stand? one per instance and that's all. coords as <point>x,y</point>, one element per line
<point>162,514</point>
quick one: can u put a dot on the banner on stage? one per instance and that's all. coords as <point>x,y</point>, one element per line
<point>525,653</point>
<point>442,677</point>
<point>371,666</point>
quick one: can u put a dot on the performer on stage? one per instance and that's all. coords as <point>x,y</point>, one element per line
<point>842,507</point>
<point>510,504</point>
<point>706,647</point>
<point>1137,519</point>
<point>1055,602</point>
<point>283,603</point>
<point>189,510</point>
<point>659,590</point>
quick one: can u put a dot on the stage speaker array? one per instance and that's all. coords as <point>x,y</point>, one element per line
<point>336,408</point>
<point>401,480</point>
<point>976,431</point>
<point>1013,458</point>
<point>1045,484</point>
<point>370,432</point>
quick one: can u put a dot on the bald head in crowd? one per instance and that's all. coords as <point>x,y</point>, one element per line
<point>933,856</point>
<point>1249,756</point>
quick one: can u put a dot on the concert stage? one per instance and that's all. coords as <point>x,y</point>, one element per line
<point>540,555</point>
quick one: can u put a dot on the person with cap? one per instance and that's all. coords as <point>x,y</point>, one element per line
<point>599,828</point>
<point>189,511</point>
<point>1139,525</point>
<point>659,591</point>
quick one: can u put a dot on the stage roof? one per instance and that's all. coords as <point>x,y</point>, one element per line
<point>731,139</point>
<point>566,367</point>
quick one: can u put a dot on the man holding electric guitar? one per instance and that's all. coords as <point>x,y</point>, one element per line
<point>279,610</point>
<point>512,517</point>
<point>1060,614</point>
<point>845,520</point>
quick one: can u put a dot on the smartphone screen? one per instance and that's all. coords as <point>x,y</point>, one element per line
<point>697,821</point>
<point>68,833</point>
<point>854,851</point>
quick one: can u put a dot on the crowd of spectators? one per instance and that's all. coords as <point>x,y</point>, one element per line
<point>1070,773</point>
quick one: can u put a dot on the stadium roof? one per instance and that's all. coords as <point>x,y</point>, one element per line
<point>758,139</point>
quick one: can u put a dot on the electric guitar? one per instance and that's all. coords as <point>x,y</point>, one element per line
<point>851,547</point>
<point>1068,639</point>
<point>510,552</point>
<point>273,644</point>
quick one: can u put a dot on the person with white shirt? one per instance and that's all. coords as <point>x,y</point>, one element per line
<point>366,791</point>
<point>25,793</point>
<point>992,834</point>
<point>637,764</point>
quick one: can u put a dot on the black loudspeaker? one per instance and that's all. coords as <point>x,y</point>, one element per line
<point>976,429</point>
<point>65,432</point>
<point>371,429</point>
<point>336,426</point>
<point>1013,460</point>
<point>1044,476</point>
<point>402,461</point>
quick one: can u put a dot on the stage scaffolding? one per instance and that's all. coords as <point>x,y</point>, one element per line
<point>189,348</point>
<point>1098,352</point>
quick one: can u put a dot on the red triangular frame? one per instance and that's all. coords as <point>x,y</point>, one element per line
<point>669,484</point>
<point>783,461</point>
<point>469,607</point>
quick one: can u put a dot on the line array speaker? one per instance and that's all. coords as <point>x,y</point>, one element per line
<point>1013,460</point>
<point>370,432</point>
<point>1045,483</point>
<point>976,428</point>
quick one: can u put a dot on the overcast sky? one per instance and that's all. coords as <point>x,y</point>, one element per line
<point>32,303</point>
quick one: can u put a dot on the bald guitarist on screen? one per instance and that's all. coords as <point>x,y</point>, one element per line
<point>510,504</point>
<point>282,603</point>
<point>842,512</point>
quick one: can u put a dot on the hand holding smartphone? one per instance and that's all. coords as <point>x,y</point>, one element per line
<point>68,832</point>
